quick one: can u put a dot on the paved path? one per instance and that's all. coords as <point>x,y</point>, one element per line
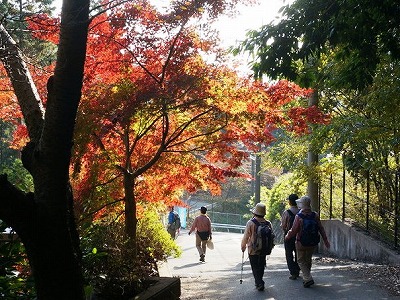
<point>219,277</point>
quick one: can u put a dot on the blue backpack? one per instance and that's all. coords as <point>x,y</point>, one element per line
<point>310,230</point>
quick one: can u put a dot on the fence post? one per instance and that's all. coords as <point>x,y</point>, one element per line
<point>396,212</point>
<point>367,212</point>
<point>330,196</point>
<point>344,192</point>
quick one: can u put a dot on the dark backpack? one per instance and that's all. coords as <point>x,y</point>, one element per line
<point>177,221</point>
<point>310,230</point>
<point>264,238</point>
<point>291,219</point>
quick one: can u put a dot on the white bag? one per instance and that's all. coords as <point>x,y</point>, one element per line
<point>210,244</point>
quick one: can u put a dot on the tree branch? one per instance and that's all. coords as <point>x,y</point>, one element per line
<point>21,80</point>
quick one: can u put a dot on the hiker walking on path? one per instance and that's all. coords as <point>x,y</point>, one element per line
<point>287,220</point>
<point>306,228</point>
<point>173,223</point>
<point>257,257</point>
<point>202,226</point>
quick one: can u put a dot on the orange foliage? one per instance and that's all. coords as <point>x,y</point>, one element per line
<point>149,91</point>
<point>20,137</point>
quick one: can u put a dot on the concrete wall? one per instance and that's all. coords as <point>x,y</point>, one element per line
<point>347,242</point>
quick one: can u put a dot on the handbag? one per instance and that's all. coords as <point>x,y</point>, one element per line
<point>210,244</point>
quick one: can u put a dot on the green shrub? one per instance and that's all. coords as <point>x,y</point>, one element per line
<point>16,281</point>
<point>112,268</point>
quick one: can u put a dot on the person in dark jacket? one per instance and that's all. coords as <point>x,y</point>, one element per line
<point>290,245</point>
<point>304,253</point>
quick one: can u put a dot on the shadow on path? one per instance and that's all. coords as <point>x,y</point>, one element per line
<point>219,278</point>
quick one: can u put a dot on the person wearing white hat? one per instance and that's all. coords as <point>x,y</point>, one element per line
<point>257,261</point>
<point>305,252</point>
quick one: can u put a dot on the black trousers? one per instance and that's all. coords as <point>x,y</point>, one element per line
<point>291,256</point>
<point>257,263</point>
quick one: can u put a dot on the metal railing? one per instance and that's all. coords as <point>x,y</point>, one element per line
<point>356,202</point>
<point>228,227</point>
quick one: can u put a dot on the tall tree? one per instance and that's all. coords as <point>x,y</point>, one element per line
<point>44,219</point>
<point>158,106</point>
<point>348,39</point>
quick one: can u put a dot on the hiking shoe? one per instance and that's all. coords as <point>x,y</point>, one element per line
<point>293,277</point>
<point>202,258</point>
<point>309,283</point>
<point>260,287</point>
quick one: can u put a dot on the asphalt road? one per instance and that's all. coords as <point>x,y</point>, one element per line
<point>219,277</point>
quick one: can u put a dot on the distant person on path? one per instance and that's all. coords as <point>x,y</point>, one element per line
<point>173,223</point>
<point>287,220</point>
<point>306,228</point>
<point>257,259</point>
<point>202,226</point>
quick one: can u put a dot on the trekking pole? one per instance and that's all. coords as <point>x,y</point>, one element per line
<point>241,272</point>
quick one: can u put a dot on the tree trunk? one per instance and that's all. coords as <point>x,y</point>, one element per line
<point>312,188</point>
<point>44,220</point>
<point>130,210</point>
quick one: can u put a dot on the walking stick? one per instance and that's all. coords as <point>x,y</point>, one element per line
<point>241,272</point>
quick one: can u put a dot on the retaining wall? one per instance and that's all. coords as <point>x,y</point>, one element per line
<point>348,242</point>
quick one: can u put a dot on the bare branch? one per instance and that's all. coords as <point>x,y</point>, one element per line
<point>21,80</point>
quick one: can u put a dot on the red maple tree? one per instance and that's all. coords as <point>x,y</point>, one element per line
<point>156,118</point>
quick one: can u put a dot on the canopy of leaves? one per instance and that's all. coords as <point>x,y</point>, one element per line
<point>154,108</point>
<point>359,31</point>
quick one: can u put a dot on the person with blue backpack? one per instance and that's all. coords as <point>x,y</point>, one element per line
<point>287,220</point>
<point>174,223</point>
<point>258,238</point>
<point>307,228</point>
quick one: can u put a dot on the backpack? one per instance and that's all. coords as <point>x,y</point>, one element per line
<point>264,238</point>
<point>291,219</point>
<point>310,230</point>
<point>177,221</point>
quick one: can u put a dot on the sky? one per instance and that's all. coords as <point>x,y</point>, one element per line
<point>233,30</point>
<point>250,17</point>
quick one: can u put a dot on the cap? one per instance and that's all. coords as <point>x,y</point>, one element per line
<point>304,202</point>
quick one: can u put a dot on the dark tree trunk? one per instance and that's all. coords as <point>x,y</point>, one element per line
<point>130,211</point>
<point>44,220</point>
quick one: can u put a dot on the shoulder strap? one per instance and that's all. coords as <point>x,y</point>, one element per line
<point>259,223</point>
<point>290,213</point>
<point>255,221</point>
<point>310,216</point>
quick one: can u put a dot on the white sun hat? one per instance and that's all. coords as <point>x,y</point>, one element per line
<point>304,202</point>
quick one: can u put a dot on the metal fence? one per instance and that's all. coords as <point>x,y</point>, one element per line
<point>223,220</point>
<point>356,202</point>
<point>230,222</point>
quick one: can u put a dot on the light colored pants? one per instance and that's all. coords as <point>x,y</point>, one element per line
<point>201,245</point>
<point>304,259</point>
